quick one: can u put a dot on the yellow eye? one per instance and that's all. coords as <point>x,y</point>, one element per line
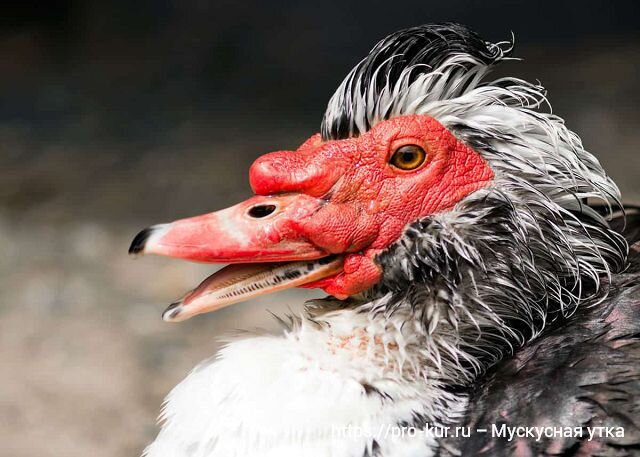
<point>408,157</point>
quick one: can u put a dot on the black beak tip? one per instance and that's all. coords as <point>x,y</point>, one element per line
<point>140,240</point>
<point>171,312</point>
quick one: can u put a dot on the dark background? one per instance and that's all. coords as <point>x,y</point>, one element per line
<point>116,115</point>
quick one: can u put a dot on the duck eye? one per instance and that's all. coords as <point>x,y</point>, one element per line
<point>408,157</point>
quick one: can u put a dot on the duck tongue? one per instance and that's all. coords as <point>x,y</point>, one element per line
<point>240,282</point>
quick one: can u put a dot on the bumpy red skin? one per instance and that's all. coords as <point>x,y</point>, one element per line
<point>366,202</point>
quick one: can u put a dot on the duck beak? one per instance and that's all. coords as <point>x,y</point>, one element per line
<point>261,238</point>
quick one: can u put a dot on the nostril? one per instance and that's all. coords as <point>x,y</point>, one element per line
<point>259,211</point>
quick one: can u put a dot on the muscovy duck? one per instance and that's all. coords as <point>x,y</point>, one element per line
<point>464,236</point>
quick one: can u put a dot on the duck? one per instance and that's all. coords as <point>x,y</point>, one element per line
<point>479,277</point>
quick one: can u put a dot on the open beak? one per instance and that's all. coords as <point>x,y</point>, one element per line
<point>262,240</point>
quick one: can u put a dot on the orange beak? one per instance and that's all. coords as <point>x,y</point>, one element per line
<point>260,236</point>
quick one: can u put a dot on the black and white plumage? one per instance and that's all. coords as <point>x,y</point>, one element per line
<point>480,311</point>
<point>579,383</point>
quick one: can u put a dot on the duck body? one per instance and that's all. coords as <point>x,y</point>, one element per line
<point>573,392</point>
<point>342,383</point>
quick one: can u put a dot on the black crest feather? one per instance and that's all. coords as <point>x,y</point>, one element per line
<point>420,49</point>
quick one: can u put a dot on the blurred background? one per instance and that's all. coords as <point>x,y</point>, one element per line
<point>115,115</point>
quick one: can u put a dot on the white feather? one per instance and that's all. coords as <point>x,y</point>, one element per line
<point>301,393</point>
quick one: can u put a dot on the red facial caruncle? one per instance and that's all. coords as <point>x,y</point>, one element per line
<point>322,213</point>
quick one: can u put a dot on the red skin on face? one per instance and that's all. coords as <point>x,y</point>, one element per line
<point>367,203</point>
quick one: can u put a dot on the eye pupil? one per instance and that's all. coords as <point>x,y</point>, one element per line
<point>408,157</point>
